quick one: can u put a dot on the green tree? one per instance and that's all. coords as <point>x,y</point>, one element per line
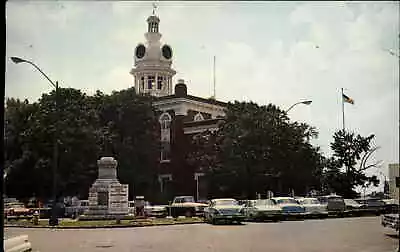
<point>31,170</point>
<point>351,158</point>
<point>257,149</point>
<point>121,124</point>
<point>127,122</point>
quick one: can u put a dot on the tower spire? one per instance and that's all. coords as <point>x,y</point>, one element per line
<point>154,9</point>
<point>153,21</point>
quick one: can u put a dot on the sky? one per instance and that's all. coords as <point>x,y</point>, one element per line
<point>266,52</point>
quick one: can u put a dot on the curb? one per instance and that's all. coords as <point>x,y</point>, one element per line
<point>97,227</point>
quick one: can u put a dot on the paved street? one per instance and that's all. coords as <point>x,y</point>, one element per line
<point>331,235</point>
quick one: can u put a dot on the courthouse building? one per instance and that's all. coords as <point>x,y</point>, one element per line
<point>181,115</point>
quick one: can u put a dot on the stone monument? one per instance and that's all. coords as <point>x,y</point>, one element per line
<point>107,197</point>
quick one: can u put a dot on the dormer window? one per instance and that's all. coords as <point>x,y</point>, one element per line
<point>198,117</point>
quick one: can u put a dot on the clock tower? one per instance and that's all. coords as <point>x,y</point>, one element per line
<point>152,70</point>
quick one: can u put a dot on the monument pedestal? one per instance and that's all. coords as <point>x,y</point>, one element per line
<point>107,197</point>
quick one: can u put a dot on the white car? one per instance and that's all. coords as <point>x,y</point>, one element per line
<point>313,208</point>
<point>262,209</point>
<point>290,207</point>
<point>155,210</point>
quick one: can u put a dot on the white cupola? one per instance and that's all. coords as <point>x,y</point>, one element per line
<point>152,63</point>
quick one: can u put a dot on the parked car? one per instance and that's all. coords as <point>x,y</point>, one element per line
<point>224,209</point>
<point>16,209</point>
<point>10,200</point>
<point>353,207</point>
<point>391,221</point>
<point>334,203</point>
<point>313,208</point>
<point>186,206</point>
<point>262,209</point>
<point>391,206</point>
<point>155,210</point>
<point>373,205</point>
<point>290,207</point>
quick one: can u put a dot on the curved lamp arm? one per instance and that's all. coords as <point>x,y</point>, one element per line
<point>17,60</point>
<point>302,102</point>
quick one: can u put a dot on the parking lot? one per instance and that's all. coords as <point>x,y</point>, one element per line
<point>344,234</point>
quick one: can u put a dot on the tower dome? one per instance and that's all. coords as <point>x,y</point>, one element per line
<point>152,70</point>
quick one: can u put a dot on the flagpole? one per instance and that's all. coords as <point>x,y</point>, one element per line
<point>343,110</point>
<point>214,78</point>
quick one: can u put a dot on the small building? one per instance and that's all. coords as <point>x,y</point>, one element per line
<point>394,171</point>
<point>181,115</point>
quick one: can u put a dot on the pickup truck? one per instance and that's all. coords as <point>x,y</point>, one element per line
<point>186,206</point>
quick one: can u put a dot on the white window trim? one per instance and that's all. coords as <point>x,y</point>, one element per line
<point>160,119</point>
<point>198,117</point>
<point>197,175</point>
<point>163,176</point>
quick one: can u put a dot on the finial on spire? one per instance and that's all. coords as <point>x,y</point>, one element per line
<point>154,8</point>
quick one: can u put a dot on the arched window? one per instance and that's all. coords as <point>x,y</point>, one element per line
<point>165,120</point>
<point>165,123</point>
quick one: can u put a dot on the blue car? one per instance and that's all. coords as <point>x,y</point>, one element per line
<point>290,207</point>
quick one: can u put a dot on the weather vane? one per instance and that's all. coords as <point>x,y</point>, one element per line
<point>154,8</point>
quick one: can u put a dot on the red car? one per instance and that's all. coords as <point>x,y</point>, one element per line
<point>17,209</point>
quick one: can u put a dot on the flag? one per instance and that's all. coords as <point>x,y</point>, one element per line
<point>347,99</point>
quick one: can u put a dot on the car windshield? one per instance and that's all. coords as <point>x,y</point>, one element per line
<point>286,201</point>
<point>186,199</point>
<point>351,202</point>
<point>226,202</point>
<point>265,202</point>
<point>309,201</point>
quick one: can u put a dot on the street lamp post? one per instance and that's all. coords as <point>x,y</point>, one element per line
<point>302,102</point>
<point>197,177</point>
<point>53,221</point>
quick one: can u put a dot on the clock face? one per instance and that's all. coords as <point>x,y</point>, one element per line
<point>140,51</point>
<point>167,52</point>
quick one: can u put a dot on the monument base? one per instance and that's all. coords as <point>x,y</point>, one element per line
<point>107,197</point>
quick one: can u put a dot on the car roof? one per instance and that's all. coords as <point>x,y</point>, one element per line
<point>278,198</point>
<point>223,199</point>
<point>330,195</point>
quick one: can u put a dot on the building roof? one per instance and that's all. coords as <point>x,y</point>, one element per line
<point>203,122</point>
<point>194,98</point>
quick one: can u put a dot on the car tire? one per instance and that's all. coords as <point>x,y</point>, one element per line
<point>213,221</point>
